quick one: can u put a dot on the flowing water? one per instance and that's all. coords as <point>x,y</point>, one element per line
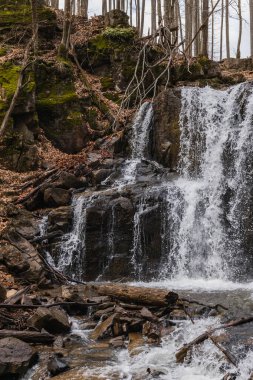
<point>206,225</point>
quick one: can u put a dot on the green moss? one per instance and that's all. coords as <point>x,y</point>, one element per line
<point>19,12</point>
<point>119,34</point>
<point>3,51</point>
<point>8,82</point>
<point>107,83</point>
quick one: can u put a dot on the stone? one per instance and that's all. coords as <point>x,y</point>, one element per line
<point>15,357</point>
<point>60,219</point>
<point>117,342</point>
<point>146,314</point>
<point>57,364</point>
<point>102,328</point>
<point>54,320</point>
<point>166,132</point>
<point>136,343</point>
<point>55,197</point>
<point>116,18</point>
<point>68,181</point>
<point>21,257</point>
<point>11,293</point>
<point>100,175</point>
<point>3,293</point>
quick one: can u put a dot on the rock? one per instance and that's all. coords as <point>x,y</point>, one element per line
<point>68,181</point>
<point>21,257</point>
<point>166,132</point>
<point>3,293</point>
<point>60,219</point>
<point>100,175</point>
<point>55,197</point>
<point>57,364</point>
<point>11,293</point>
<point>116,18</point>
<point>146,314</point>
<point>136,343</point>
<point>117,342</point>
<point>15,357</point>
<point>102,328</point>
<point>54,320</point>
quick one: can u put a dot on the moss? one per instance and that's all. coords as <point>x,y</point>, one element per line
<point>107,83</point>
<point>119,34</point>
<point>8,82</point>
<point>91,117</point>
<point>3,51</point>
<point>19,12</point>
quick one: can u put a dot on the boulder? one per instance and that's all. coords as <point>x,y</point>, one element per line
<point>55,197</point>
<point>166,131</point>
<point>54,320</point>
<point>68,181</point>
<point>15,357</point>
<point>3,293</point>
<point>57,364</point>
<point>100,175</point>
<point>60,219</point>
<point>116,18</point>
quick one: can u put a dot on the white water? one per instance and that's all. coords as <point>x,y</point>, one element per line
<point>139,143</point>
<point>216,142</point>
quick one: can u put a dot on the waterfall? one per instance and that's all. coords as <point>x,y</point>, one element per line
<point>204,205</point>
<point>72,253</point>
<point>139,143</point>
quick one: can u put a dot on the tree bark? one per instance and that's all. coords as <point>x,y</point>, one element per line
<point>142,17</point>
<point>153,17</point>
<point>251,26</point>
<point>227,30</point>
<point>139,295</point>
<point>221,29</point>
<point>104,7</point>
<point>238,52</point>
<point>205,28</point>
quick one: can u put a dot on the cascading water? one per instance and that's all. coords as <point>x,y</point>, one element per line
<point>204,205</point>
<point>140,129</point>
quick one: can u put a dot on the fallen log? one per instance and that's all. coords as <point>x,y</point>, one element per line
<point>28,336</point>
<point>62,304</point>
<point>17,296</point>
<point>138,295</point>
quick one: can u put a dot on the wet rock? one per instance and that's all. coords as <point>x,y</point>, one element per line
<point>136,343</point>
<point>60,219</point>
<point>166,132</point>
<point>3,293</point>
<point>53,320</point>
<point>57,364</point>
<point>15,357</point>
<point>117,342</point>
<point>55,197</point>
<point>102,328</point>
<point>100,175</point>
<point>146,314</point>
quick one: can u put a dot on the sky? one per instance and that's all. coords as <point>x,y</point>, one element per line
<point>96,5</point>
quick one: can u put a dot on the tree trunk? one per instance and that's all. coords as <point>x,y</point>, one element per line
<point>227,29</point>
<point>137,2</point>
<point>118,4</point>
<point>159,12</point>
<point>251,26</point>
<point>35,26</point>
<point>131,12</point>
<point>122,5</point>
<point>104,7</point>
<point>66,24</point>
<point>153,17</point>
<point>204,50</point>
<point>221,29</point>
<point>84,9</point>
<point>238,52</point>
<point>212,46</point>
<point>142,17</point>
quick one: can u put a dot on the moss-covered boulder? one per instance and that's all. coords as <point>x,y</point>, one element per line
<point>60,111</point>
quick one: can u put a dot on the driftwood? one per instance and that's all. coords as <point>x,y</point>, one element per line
<point>28,336</point>
<point>138,295</point>
<point>227,354</point>
<point>17,297</point>
<point>182,352</point>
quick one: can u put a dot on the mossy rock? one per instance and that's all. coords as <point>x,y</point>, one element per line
<point>113,96</point>
<point>120,34</point>
<point>19,13</point>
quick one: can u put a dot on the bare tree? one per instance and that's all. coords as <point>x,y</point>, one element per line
<point>104,7</point>
<point>153,17</point>
<point>251,26</point>
<point>221,29</point>
<point>205,12</point>
<point>227,29</point>
<point>238,52</point>
<point>66,26</point>
<point>142,16</point>
<point>35,26</point>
